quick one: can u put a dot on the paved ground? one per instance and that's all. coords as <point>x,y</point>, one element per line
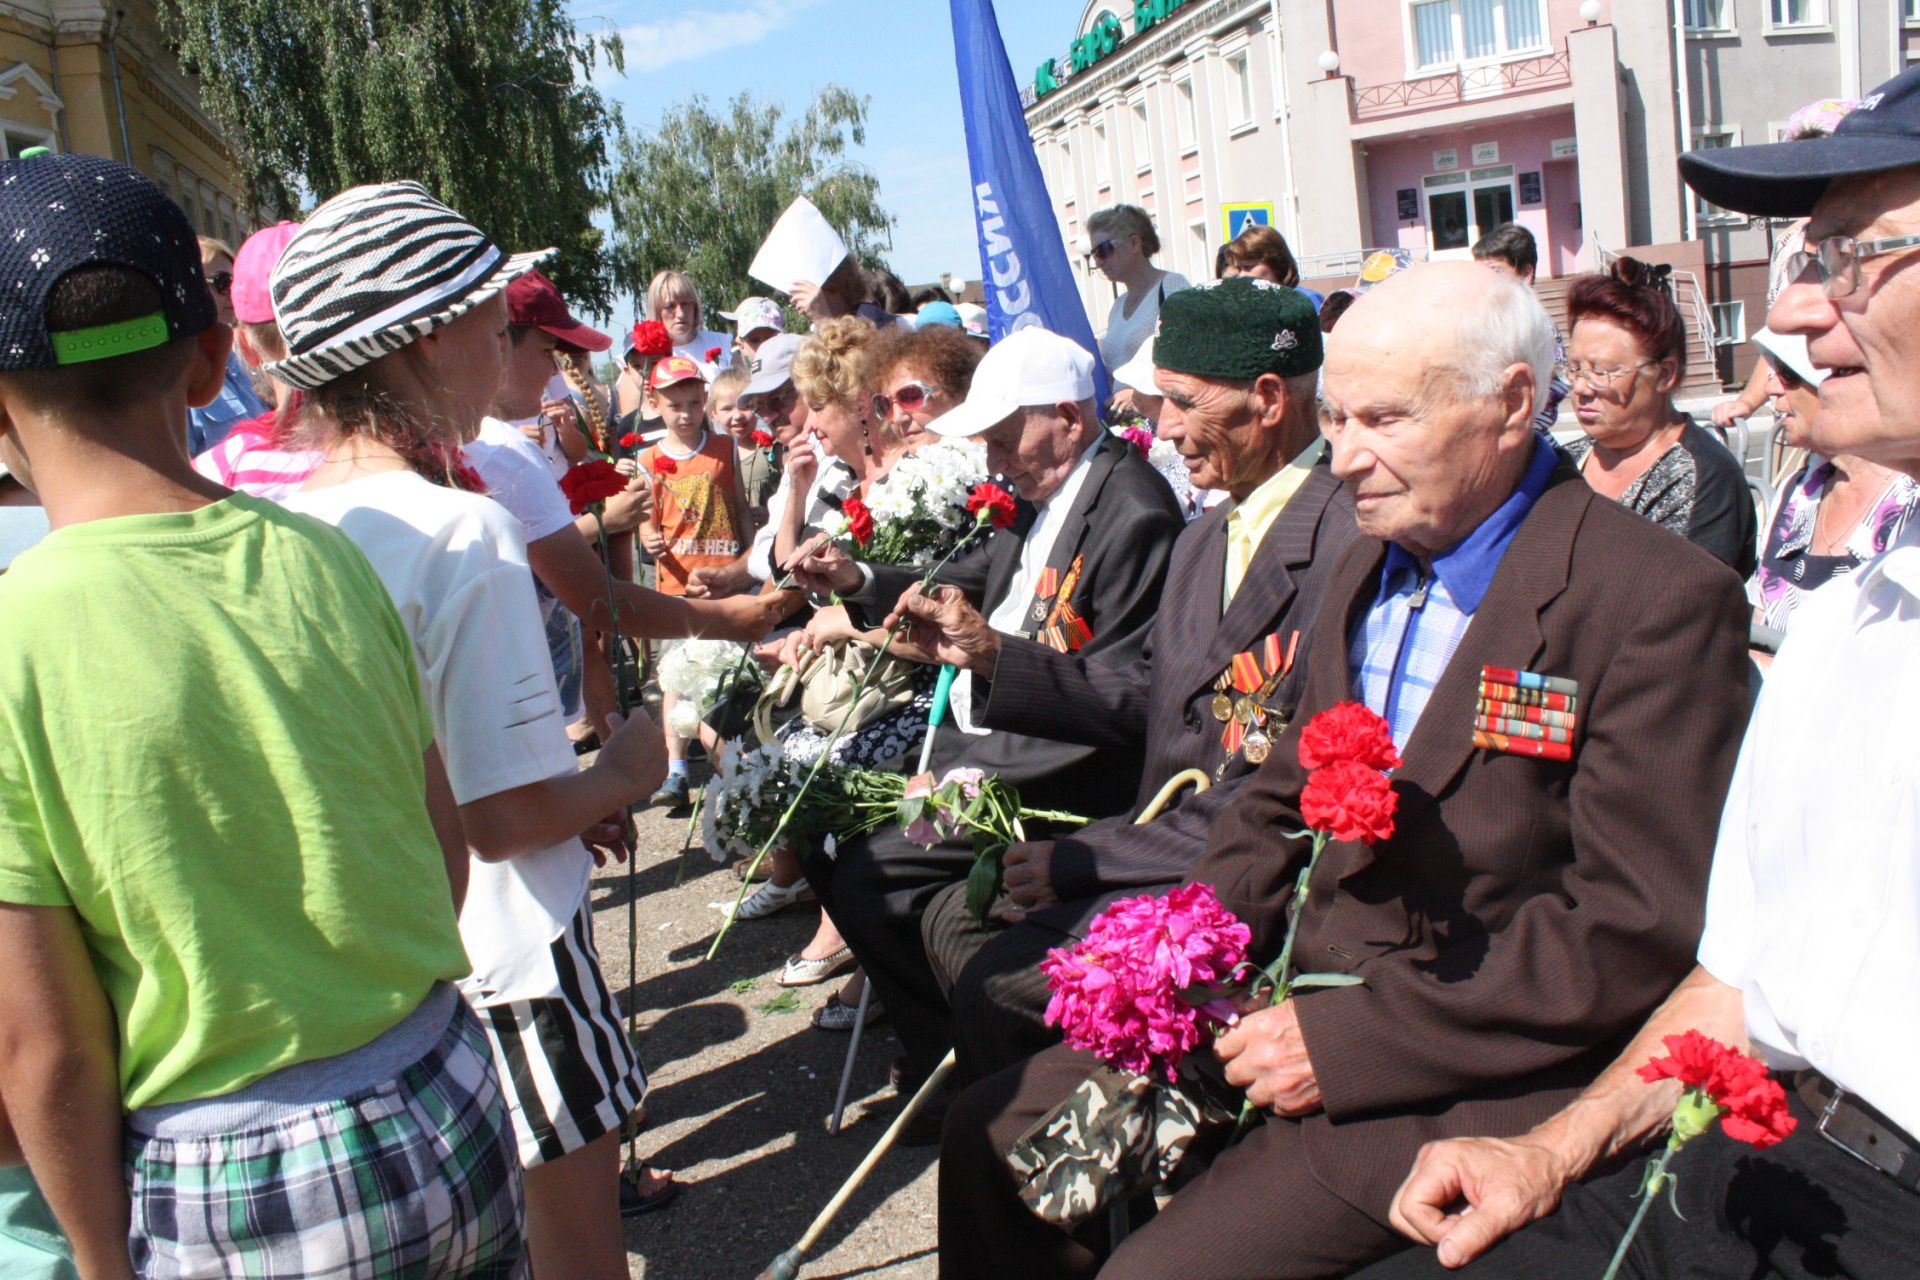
<point>742,1085</point>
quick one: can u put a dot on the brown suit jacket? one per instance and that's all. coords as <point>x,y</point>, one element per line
<point>1526,915</point>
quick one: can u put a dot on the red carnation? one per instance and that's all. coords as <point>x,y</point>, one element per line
<point>630,440</point>
<point>859,520</point>
<point>1348,731</point>
<point>650,338</point>
<point>994,501</point>
<point>714,354</point>
<point>663,465</point>
<point>591,482</point>
<point>762,438</point>
<point>1350,801</point>
<point>1754,1106</point>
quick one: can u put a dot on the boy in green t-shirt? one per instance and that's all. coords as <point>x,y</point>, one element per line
<point>229,858</point>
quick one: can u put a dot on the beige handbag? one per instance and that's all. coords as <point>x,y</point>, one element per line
<point>824,682</point>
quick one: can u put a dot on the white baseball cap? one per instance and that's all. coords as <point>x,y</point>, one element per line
<point>1137,373</point>
<point>973,318</point>
<point>756,313</point>
<point>1790,349</point>
<point>1029,367</point>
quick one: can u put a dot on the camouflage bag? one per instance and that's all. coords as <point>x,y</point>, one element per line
<point>1116,1136</point>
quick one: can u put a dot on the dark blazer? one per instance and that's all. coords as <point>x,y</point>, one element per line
<point>1526,915</point>
<point>1164,697</point>
<point>1124,522</point>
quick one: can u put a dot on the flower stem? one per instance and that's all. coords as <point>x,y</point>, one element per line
<point>1656,1181</point>
<point>1275,974</point>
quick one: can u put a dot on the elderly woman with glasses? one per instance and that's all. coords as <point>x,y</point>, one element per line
<point>916,375</point>
<point>1121,241</point>
<point>1626,354</point>
<point>1829,515</point>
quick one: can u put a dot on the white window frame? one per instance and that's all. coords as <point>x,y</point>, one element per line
<point>1186,115</point>
<point>1712,215</point>
<point>1821,22</point>
<point>1910,13</point>
<point>1729,24</point>
<point>42,137</point>
<point>1239,69</point>
<point>1738,330</point>
<point>1139,120</point>
<point>1202,266</point>
<point>1417,70</point>
<point>1102,157</point>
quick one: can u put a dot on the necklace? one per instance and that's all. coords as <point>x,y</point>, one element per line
<point>1824,545</point>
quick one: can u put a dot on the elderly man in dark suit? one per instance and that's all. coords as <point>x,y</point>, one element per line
<point>1082,569</point>
<point>1540,892</point>
<point>1238,368</point>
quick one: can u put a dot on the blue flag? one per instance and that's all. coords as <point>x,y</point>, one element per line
<point>1023,262</point>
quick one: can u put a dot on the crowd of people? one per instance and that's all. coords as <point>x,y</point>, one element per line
<point>351,554</point>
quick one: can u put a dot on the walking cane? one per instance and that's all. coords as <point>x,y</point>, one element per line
<point>942,693</point>
<point>787,1265</point>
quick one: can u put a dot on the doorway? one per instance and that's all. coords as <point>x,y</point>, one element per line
<point>1465,205</point>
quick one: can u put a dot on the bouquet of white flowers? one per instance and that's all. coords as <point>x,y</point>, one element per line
<point>751,790</point>
<point>920,507</point>
<point>1161,456</point>
<point>701,673</point>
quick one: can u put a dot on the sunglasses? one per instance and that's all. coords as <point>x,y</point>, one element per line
<point>221,282</point>
<point>1788,378</point>
<point>909,397</point>
<point>1102,251</point>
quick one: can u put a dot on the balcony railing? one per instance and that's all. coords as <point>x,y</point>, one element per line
<point>1469,84</point>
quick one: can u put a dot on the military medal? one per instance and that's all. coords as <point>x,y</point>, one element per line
<point>1525,714</point>
<point>1254,676</point>
<point>1222,704</point>
<point>1243,710</point>
<point>1256,746</point>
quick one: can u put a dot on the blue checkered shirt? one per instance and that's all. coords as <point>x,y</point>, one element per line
<point>1403,643</point>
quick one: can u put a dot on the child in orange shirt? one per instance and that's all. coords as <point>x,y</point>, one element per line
<point>699,513</point>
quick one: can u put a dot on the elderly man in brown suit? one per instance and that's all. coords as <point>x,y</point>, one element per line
<point>1539,894</point>
<point>1237,365</point>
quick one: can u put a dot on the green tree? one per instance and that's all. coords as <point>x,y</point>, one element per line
<point>489,104</point>
<point>700,192</point>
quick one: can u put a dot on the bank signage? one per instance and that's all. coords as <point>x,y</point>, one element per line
<point>1102,39</point>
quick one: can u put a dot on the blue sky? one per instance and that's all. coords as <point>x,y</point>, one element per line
<point>896,53</point>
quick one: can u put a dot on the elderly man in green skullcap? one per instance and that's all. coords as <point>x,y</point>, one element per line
<point>1237,364</point>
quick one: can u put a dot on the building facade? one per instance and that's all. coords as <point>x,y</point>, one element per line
<point>99,79</point>
<point>1421,124</point>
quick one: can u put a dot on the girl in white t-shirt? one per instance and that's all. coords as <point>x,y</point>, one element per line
<point>388,408</point>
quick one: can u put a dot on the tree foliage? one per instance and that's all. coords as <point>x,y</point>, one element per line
<point>486,102</point>
<point>700,192</point>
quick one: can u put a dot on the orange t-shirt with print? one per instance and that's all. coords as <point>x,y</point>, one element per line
<point>695,507</point>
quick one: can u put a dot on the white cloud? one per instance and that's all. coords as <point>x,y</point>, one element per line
<point>699,33</point>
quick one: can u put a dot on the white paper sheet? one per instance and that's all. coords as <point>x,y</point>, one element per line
<point>801,246</point>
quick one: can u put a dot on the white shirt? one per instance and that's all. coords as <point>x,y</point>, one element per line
<point>456,566</point>
<point>1010,614</point>
<point>1813,910</point>
<point>1126,332</point>
<point>703,342</point>
<point>518,478</point>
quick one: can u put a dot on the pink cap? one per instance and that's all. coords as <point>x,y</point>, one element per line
<point>251,267</point>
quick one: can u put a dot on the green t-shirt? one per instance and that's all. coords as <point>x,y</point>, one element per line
<point>211,732</point>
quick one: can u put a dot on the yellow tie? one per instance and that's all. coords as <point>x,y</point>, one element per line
<point>1241,544</point>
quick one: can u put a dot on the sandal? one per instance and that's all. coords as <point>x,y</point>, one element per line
<point>771,899</point>
<point>765,871</point>
<point>837,1015</point>
<point>633,1202</point>
<point>802,972</point>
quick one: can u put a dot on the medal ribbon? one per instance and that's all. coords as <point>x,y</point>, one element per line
<point>1249,673</point>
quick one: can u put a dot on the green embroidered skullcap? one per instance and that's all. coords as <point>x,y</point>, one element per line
<point>1238,329</point>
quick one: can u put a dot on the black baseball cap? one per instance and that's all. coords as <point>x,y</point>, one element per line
<point>1786,179</point>
<point>61,212</point>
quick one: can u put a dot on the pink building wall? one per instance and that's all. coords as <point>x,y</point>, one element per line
<point>1395,163</point>
<point>1371,36</point>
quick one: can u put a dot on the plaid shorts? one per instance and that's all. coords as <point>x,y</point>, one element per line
<point>416,1177</point>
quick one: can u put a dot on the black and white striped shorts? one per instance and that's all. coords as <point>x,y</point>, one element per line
<point>569,1072</point>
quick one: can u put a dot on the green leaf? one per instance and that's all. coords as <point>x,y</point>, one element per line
<point>1327,980</point>
<point>983,879</point>
<point>785,1002</point>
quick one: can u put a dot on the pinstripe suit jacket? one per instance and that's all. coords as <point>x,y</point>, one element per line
<point>1526,915</point>
<point>1162,699</point>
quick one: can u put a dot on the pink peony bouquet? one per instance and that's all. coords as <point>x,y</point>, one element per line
<point>1122,994</point>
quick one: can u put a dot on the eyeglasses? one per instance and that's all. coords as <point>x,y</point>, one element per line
<point>1838,259</point>
<point>1102,251</point>
<point>1603,379</point>
<point>769,403</point>
<point>909,397</point>
<point>221,282</point>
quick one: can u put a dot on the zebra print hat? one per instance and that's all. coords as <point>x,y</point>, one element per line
<point>374,269</point>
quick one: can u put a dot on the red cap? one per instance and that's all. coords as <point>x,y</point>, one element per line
<point>671,370</point>
<point>532,300</point>
<point>252,265</point>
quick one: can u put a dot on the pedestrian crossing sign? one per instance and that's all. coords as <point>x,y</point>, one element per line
<point>1239,217</point>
